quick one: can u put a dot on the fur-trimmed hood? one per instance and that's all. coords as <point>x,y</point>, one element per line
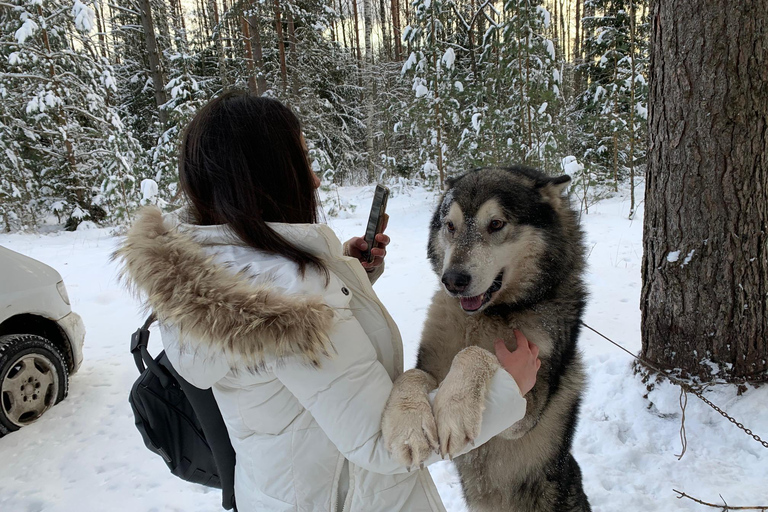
<point>167,265</point>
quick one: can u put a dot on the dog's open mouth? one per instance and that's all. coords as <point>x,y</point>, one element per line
<point>478,301</point>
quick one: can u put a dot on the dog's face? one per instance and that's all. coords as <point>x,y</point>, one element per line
<point>491,233</point>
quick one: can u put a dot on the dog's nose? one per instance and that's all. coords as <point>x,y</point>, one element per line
<point>456,282</point>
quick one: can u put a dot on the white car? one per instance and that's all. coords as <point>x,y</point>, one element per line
<point>41,340</point>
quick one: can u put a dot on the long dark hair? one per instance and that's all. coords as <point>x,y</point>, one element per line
<point>242,163</point>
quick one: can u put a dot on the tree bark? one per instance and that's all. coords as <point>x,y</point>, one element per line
<point>252,86</point>
<point>577,36</point>
<point>367,19</point>
<point>113,30</point>
<point>205,26</point>
<point>577,48</point>
<point>357,34</point>
<point>218,29</point>
<point>396,34</point>
<point>616,123</point>
<point>436,104</point>
<point>76,184</point>
<point>281,44</point>
<point>155,68</point>
<point>227,30</point>
<point>97,8</point>
<point>179,26</point>
<point>632,20</point>
<point>258,54</point>
<point>294,57</point>
<point>385,35</point>
<point>707,189</point>
<point>554,29</point>
<point>343,24</point>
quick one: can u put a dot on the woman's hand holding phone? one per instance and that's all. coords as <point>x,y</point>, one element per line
<point>356,247</point>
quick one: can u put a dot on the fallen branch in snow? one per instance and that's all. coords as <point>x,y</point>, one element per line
<point>724,506</point>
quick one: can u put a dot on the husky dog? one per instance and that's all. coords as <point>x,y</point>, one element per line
<point>508,249</point>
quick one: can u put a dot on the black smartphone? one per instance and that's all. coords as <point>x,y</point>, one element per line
<point>375,219</point>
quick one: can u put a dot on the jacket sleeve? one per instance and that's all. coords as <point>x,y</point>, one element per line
<point>347,394</point>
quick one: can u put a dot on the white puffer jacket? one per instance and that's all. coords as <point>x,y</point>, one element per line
<point>301,369</point>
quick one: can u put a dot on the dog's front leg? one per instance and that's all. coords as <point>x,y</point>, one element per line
<point>408,425</point>
<point>460,400</point>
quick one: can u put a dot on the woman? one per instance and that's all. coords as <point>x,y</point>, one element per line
<point>258,301</point>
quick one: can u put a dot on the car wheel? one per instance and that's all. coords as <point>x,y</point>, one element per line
<point>33,378</point>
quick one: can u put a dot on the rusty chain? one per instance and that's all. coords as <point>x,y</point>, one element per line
<point>686,387</point>
<point>732,420</point>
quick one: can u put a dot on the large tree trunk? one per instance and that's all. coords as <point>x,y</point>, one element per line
<point>155,68</point>
<point>705,265</point>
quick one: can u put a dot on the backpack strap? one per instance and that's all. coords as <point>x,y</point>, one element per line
<point>142,357</point>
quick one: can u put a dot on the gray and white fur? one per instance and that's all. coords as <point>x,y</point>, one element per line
<point>507,247</point>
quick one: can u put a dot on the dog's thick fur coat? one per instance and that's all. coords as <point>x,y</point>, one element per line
<point>528,273</point>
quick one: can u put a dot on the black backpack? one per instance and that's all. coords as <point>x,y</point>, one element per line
<point>180,422</point>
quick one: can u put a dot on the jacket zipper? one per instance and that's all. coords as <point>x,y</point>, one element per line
<point>348,498</point>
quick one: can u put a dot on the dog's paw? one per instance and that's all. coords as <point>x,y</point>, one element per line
<point>460,400</point>
<point>408,425</point>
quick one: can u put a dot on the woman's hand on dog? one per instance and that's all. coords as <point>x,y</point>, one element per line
<point>522,364</point>
<point>355,246</point>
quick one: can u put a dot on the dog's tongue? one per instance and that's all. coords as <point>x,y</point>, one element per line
<point>471,303</point>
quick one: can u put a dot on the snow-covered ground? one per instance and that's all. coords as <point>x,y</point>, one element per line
<point>85,454</point>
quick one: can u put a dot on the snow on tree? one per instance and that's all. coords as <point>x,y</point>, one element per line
<point>95,96</point>
<point>613,112</point>
<point>67,143</point>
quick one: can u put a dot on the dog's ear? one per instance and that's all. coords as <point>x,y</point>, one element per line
<point>450,182</point>
<point>551,189</point>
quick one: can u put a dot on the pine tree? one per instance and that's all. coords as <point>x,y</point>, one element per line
<point>78,156</point>
<point>611,102</point>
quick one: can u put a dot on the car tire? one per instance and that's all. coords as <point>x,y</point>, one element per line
<point>33,378</point>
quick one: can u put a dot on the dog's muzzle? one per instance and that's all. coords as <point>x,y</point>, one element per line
<point>456,283</point>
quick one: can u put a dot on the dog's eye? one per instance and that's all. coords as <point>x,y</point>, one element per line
<point>449,225</point>
<point>496,225</point>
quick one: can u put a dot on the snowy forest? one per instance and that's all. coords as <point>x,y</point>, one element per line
<point>95,94</point>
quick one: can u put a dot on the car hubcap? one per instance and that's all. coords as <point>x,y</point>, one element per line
<point>29,388</point>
